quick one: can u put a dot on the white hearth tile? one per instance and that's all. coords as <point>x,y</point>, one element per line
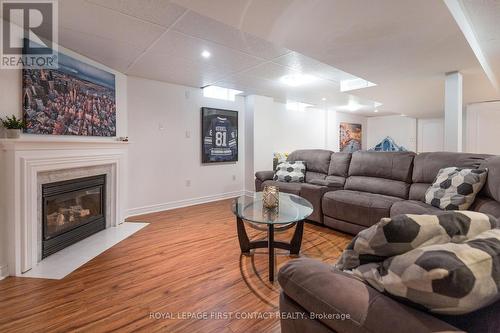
<point>62,263</point>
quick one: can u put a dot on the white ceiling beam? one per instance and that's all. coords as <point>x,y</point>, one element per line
<point>458,12</point>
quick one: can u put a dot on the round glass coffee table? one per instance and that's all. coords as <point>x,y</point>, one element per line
<point>292,210</point>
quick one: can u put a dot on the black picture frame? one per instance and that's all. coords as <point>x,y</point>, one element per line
<point>227,151</point>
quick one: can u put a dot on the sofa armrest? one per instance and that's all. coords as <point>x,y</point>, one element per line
<point>347,304</point>
<point>264,175</point>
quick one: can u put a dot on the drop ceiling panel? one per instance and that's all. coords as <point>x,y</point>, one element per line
<point>175,70</point>
<point>308,65</point>
<point>274,72</point>
<point>161,12</point>
<point>101,22</point>
<point>174,47</point>
<point>208,29</point>
<point>115,54</point>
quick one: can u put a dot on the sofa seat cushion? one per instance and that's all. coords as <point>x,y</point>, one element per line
<point>293,188</point>
<point>360,208</point>
<point>413,207</point>
<point>333,183</point>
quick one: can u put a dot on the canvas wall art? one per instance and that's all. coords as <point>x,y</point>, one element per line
<point>75,99</point>
<point>350,137</point>
<point>219,130</point>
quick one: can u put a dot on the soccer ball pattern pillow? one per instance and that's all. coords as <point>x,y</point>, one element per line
<point>403,233</point>
<point>455,188</point>
<point>451,278</point>
<point>291,172</point>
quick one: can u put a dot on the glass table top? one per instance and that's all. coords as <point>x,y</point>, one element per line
<point>292,208</point>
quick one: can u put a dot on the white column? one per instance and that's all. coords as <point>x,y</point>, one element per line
<point>453,127</point>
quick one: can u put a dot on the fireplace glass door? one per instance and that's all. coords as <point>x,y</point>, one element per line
<point>72,210</point>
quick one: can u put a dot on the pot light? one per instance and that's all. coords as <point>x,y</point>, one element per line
<point>375,111</point>
<point>205,54</point>
<point>295,80</point>
<point>323,99</point>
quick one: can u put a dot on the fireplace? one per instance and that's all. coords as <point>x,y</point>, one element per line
<point>71,211</point>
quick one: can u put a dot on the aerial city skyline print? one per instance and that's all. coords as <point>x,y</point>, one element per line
<point>75,99</point>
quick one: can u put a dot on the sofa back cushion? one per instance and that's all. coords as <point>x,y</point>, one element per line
<point>427,165</point>
<point>492,187</point>
<point>316,160</point>
<point>387,173</point>
<point>339,164</point>
<point>386,165</point>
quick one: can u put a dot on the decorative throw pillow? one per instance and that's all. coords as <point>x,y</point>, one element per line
<point>446,278</point>
<point>279,158</point>
<point>291,172</point>
<point>455,188</point>
<point>403,233</point>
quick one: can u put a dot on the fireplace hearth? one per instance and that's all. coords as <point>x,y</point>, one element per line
<point>71,211</point>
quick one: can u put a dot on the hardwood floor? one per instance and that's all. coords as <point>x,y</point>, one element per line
<point>186,262</point>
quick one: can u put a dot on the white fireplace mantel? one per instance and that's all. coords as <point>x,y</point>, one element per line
<point>21,161</point>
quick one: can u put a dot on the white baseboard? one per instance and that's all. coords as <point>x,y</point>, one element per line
<point>182,203</point>
<point>4,271</point>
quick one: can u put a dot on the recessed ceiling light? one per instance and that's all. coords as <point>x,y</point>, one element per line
<point>403,115</point>
<point>375,111</point>
<point>205,54</point>
<point>295,80</point>
<point>323,99</point>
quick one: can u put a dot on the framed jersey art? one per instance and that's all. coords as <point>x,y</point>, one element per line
<point>219,129</point>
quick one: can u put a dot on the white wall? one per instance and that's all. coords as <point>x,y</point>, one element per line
<point>277,129</point>
<point>11,92</point>
<point>165,152</point>
<point>430,135</point>
<point>403,130</point>
<point>482,131</point>
<point>333,120</point>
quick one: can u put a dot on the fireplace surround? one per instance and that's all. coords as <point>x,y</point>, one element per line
<point>26,164</point>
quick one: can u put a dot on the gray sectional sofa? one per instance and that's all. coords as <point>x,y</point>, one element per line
<point>351,193</point>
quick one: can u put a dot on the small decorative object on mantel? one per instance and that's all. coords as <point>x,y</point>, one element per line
<point>13,126</point>
<point>271,197</point>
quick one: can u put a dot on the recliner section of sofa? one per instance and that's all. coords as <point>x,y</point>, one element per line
<point>375,182</point>
<point>325,172</point>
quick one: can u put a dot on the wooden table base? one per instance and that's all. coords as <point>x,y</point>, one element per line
<point>246,245</point>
